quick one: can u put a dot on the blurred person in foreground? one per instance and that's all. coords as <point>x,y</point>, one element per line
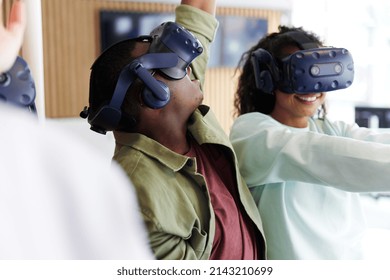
<point>51,206</point>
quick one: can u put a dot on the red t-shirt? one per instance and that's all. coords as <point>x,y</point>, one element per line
<point>235,237</point>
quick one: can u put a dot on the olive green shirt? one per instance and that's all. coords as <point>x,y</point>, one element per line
<point>173,197</point>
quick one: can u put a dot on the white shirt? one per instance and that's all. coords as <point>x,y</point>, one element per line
<point>306,183</point>
<point>59,199</point>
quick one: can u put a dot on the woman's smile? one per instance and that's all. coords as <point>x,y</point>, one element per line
<point>308,98</point>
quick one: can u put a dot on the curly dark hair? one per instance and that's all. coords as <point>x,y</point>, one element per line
<point>250,99</point>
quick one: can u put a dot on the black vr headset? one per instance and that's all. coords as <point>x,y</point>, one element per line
<point>171,51</point>
<point>17,86</point>
<point>309,70</point>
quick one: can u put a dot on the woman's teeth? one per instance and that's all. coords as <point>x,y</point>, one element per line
<point>307,98</point>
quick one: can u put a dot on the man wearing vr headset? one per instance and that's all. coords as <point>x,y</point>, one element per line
<point>193,200</point>
<point>304,171</point>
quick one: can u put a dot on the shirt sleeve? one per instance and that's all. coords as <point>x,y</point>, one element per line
<point>204,26</point>
<point>363,133</point>
<point>269,152</point>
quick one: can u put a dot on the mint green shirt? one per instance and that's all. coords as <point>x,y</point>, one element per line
<point>174,198</point>
<point>306,183</point>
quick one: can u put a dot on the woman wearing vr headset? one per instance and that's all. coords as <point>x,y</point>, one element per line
<point>193,200</point>
<point>304,171</point>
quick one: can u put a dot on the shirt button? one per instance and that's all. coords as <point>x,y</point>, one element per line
<point>190,163</point>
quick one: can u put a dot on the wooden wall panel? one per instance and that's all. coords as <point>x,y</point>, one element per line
<point>220,84</point>
<point>72,42</point>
